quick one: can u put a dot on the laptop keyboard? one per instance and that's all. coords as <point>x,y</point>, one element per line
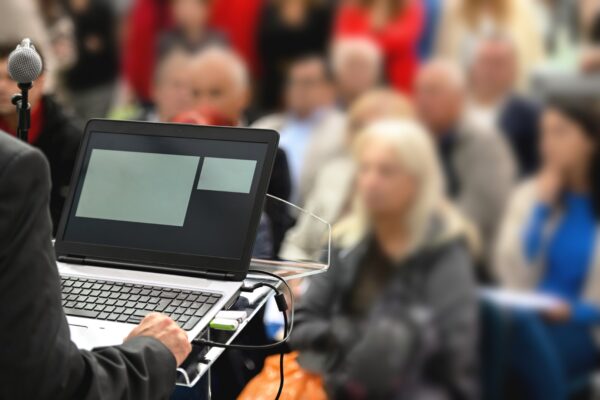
<point>129,303</point>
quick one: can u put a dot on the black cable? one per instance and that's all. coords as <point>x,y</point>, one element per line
<point>287,331</point>
<point>279,297</point>
<point>281,371</point>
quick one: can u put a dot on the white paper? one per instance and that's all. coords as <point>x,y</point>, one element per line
<point>513,298</point>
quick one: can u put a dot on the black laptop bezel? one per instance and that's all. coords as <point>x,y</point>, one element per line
<point>156,261</point>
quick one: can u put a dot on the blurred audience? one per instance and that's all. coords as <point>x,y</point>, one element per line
<point>479,168</point>
<point>466,20</point>
<point>238,20</point>
<point>189,30</point>
<point>396,27</point>
<point>311,128</point>
<point>495,101</point>
<point>326,74</point>
<point>331,195</point>
<point>549,244</point>
<point>51,130</point>
<point>356,64</point>
<point>171,92</point>
<point>433,12</point>
<point>221,86</point>
<point>220,81</point>
<point>371,324</point>
<point>20,19</point>
<point>289,29</point>
<point>90,81</point>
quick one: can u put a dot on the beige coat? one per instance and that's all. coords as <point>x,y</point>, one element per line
<point>328,140</point>
<point>511,268</point>
<point>486,172</point>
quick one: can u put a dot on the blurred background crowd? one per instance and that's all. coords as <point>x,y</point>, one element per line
<point>453,144</point>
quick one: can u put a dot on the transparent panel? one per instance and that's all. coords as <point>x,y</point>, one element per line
<point>306,249</point>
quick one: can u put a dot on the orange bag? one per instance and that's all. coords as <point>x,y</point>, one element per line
<point>299,384</point>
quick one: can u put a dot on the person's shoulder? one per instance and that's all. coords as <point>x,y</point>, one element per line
<point>522,103</point>
<point>12,149</point>
<point>525,193</point>
<point>453,263</point>
<point>271,121</point>
<point>58,120</point>
<point>21,160</point>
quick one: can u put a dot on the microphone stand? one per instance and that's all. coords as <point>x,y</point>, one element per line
<point>21,101</point>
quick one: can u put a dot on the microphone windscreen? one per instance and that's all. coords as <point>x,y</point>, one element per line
<point>24,63</point>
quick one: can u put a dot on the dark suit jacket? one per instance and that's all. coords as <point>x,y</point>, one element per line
<point>519,121</point>
<point>37,358</point>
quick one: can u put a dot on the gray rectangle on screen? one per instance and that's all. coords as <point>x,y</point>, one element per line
<point>131,186</point>
<point>227,175</point>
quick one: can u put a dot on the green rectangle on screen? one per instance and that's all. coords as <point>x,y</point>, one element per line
<point>130,186</point>
<point>227,175</point>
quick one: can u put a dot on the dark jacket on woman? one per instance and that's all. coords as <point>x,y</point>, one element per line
<point>415,335</point>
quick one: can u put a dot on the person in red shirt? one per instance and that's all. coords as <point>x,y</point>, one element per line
<point>395,26</point>
<point>235,20</point>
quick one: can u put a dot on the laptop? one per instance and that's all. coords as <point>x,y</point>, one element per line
<point>160,217</point>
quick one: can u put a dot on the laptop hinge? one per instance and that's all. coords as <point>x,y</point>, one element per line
<point>215,275</point>
<point>71,259</point>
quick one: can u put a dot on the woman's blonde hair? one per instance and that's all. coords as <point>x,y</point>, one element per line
<point>387,102</point>
<point>417,153</point>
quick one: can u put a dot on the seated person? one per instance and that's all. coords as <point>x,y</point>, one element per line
<point>170,91</point>
<point>331,195</point>
<point>189,30</point>
<point>37,358</point>
<point>356,65</point>
<point>496,102</point>
<point>311,127</point>
<point>51,131</point>
<point>221,84</point>
<point>476,159</point>
<point>547,244</point>
<point>395,316</point>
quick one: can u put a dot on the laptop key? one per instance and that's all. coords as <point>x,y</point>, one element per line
<point>103,315</point>
<point>113,317</point>
<point>81,313</point>
<point>193,321</point>
<point>123,318</point>
<point>141,313</point>
<point>202,310</point>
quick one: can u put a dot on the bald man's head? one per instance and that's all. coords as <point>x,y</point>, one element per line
<point>494,68</point>
<point>439,95</point>
<point>220,82</point>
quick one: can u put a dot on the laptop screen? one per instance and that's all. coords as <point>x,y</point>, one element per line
<point>166,194</point>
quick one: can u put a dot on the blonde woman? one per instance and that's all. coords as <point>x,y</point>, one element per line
<point>330,196</point>
<point>399,299</point>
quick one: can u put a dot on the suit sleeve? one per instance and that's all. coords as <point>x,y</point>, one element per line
<point>37,358</point>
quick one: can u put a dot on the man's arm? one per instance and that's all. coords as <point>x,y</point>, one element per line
<point>37,358</point>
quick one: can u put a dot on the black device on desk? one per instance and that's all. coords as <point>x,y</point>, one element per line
<point>160,217</point>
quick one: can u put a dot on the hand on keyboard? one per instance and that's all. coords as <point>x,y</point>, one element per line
<point>163,328</point>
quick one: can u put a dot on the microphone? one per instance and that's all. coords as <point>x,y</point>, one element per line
<point>24,63</point>
<point>24,67</point>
